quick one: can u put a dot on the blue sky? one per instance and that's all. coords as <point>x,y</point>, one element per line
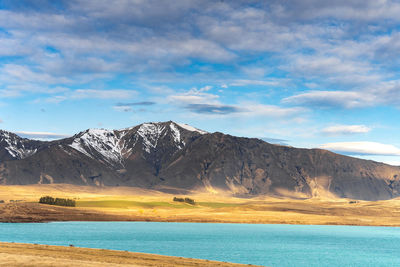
<point>304,73</point>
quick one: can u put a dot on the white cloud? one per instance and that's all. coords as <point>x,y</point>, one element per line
<point>253,109</point>
<point>93,94</point>
<point>345,129</point>
<point>123,108</point>
<point>194,96</point>
<point>269,82</point>
<point>198,101</point>
<point>56,99</point>
<point>12,47</point>
<point>41,135</point>
<point>26,74</point>
<point>362,148</point>
<point>381,93</point>
<point>103,94</point>
<point>325,65</point>
<point>347,99</point>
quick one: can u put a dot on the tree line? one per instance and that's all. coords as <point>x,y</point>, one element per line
<point>57,201</point>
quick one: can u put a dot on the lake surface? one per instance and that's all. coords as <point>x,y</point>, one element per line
<point>262,244</point>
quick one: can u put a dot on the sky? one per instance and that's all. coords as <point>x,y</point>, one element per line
<point>304,73</point>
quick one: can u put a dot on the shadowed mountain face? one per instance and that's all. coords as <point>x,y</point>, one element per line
<point>171,155</point>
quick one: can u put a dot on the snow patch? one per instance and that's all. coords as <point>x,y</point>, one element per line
<point>191,128</point>
<point>95,142</point>
<point>16,146</point>
<point>177,136</point>
<point>150,133</point>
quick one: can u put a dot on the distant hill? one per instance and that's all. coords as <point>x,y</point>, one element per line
<point>168,155</point>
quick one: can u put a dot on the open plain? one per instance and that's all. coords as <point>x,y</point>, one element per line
<point>133,204</point>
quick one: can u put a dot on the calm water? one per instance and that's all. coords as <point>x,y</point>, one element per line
<point>271,245</point>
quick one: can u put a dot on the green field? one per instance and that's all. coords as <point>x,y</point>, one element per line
<point>131,204</point>
<point>149,205</point>
<point>218,204</point>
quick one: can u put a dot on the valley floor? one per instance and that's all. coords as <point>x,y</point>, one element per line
<point>133,204</point>
<point>21,255</point>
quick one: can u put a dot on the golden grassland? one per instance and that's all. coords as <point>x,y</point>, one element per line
<point>23,255</point>
<point>134,204</point>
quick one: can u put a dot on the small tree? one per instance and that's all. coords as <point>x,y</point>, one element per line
<point>186,200</point>
<point>179,199</point>
<point>190,201</point>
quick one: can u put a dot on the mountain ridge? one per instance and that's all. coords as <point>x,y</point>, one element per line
<point>171,155</point>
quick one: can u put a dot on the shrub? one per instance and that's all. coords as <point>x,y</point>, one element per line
<point>57,201</point>
<point>353,201</point>
<point>189,201</point>
<point>186,200</point>
<point>179,199</point>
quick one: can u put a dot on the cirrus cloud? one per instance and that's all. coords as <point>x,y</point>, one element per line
<point>41,135</point>
<point>345,129</point>
<point>347,99</point>
<point>362,148</point>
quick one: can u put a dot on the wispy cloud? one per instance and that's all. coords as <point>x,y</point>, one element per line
<point>256,109</point>
<point>128,107</point>
<point>93,94</point>
<point>346,99</point>
<point>345,130</point>
<point>213,109</point>
<point>41,135</point>
<point>362,148</point>
<point>143,103</point>
<point>269,82</point>
<point>195,96</point>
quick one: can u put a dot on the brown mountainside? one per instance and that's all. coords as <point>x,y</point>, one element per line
<point>171,155</point>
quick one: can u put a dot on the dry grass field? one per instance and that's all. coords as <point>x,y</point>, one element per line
<point>133,204</point>
<point>24,255</point>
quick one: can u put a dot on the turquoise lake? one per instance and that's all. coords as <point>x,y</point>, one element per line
<point>262,244</point>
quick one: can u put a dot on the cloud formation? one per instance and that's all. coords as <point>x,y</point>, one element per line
<point>128,107</point>
<point>41,135</point>
<point>143,103</point>
<point>324,99</point>
<point>313,41</point>
<point>212,109</point>
<point>362,148</point>
<point>345,129</point>
<point>93,94</point>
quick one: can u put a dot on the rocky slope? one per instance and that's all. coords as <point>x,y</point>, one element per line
<point>170,155</point>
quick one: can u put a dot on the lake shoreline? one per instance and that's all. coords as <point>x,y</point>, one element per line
<point>307,245</point>
<point>25,254</point>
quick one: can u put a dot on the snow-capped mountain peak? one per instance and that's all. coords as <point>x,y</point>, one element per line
<point>16,146</point>
<point>150,133</point>
<point>101,143</point>
<point>111,147</point>
<point>114,146</point>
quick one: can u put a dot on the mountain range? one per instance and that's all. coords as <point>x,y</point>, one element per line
<point>174,157</point>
